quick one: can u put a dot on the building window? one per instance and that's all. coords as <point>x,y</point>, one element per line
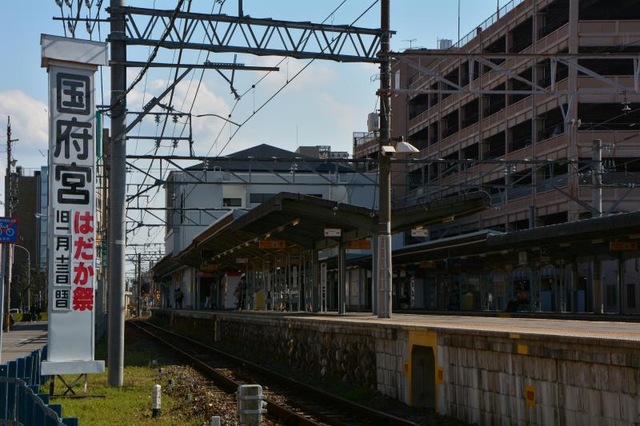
<point>231,202</point>
<point>260,198</point>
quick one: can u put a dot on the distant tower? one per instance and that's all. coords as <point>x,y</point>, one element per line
<point>445,43</point>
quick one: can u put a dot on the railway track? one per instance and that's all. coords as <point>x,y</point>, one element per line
<point>288,401</point>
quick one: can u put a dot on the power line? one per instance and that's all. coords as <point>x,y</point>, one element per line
<point>264,104</point>
<point>153,55</point>
<point>162,132</point>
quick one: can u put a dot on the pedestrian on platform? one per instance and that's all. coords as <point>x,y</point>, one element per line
<point>240,294</point>
<point>178,296</point>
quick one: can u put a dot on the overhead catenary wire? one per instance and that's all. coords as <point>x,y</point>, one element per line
<point>166,117</point>
<point>162,132</point>
<point>288,81</point>
<point>153,55</point>
<point>143,73</point>
<point>253,86</point>
<point>251,89</point>
<point>144,95</point>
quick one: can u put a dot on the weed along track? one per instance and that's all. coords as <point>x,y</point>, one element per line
<point>287,401</point>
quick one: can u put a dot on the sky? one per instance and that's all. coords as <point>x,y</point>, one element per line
<point>318,103</point>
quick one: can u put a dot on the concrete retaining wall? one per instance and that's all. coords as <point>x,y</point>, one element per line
<point>538,380</point>
<point>483,378</point>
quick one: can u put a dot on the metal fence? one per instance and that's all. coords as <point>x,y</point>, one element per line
<point>21,402</point>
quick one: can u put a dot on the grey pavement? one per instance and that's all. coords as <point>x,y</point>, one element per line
<point>22,339</point>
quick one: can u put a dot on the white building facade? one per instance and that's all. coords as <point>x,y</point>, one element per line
<point>201,195</point>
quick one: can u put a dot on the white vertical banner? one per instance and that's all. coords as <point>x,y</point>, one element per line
<point>71,64</point>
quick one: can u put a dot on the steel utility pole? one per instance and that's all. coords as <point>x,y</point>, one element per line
<point>9,201</point>
<point>139,278</point>
<point>385,267</point>
<point>117,191</point>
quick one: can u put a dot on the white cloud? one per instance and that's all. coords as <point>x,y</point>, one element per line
<point>29,124</point>
<point>320,104</point>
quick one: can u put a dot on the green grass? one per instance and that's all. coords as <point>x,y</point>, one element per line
<point>20,317</point>
<point>130,404</point>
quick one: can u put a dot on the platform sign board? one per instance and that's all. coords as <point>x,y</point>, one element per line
<point>419,232</point>
<point>623,246</point>
<point>209,267</point>
<point>272,244</point>
<point>359,245</point>
<point>8,230</point>
<point>71,64</point>
<point>332,232</point>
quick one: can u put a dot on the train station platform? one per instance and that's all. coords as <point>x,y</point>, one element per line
<point>22,339</point>
<point>479,369</point>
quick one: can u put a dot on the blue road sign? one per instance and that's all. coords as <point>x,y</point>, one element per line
<point>8,230</point>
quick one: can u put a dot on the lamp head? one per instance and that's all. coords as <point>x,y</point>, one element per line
<point>387,150</point>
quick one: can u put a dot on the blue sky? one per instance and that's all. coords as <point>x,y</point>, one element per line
<point>327,103</point>
<point>323,105</point>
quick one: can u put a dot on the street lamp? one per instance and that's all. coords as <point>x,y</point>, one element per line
<point>384,266</point>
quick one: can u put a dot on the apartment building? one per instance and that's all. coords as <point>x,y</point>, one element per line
<point>28,279</point>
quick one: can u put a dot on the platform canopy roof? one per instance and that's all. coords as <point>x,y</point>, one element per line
<point>292,220</point>
<point>300,221</point>
<point>613,236</point>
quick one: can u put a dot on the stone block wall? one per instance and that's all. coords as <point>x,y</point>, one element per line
<point>340,352</point>
<point>371,357</point>
<point>483,378</point>
<point>502,380</point>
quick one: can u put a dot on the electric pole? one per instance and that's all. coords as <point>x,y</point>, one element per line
<point>384,267</point>
<point>117,188</point>
<point>9,204</point>
<point>139,278</point>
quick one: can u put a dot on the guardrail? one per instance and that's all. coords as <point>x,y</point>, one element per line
<point>21,402</point>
